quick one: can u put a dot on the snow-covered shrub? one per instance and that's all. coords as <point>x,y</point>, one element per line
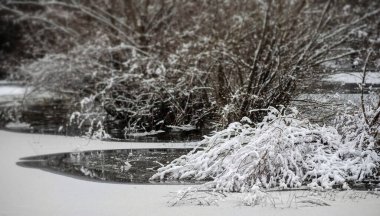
<point>9,114</point>
<point>71,73</point>
<point>281,151</point>
<point>142,65</point>
<point>358,126</point>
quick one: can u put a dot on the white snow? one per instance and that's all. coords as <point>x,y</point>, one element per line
<point>36,192</point>
<point>9,94</point>
<point>12,90</point>
<point>355,77</point>
<point>10,82</point>
<point>17,125</point>
<point>329,98</point>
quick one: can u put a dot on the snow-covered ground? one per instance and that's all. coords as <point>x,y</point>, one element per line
<point>12,90</point>
<point>9,94</point>
<point>354,77</point>
<point>35,192</point>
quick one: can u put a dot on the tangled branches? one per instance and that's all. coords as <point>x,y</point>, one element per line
<point>202,63</point>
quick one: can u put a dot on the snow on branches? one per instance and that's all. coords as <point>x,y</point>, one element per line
<point>281,151</point>
<point>152,67</point>
<point>361,127</point>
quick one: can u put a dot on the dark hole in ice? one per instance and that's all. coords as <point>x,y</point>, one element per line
<point>113,166</point>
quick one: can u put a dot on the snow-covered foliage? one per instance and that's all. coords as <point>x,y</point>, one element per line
<point>281,151</point>
<point>144,65</point>
<point>71,72</point>
<point>152,68</point>
<point>361,127</point>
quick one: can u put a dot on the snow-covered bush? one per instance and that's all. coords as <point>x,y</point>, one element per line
<point>281,151</point>
<point>143,65</point>
<point>360,124</point>
<point>73,72</point>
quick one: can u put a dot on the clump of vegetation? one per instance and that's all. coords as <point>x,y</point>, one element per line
<point>145,65</point>
<point>281,151</point>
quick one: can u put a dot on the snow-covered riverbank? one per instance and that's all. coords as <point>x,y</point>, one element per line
<point>35,192</point>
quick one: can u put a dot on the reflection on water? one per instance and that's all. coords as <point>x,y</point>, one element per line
<point>117,166</point>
